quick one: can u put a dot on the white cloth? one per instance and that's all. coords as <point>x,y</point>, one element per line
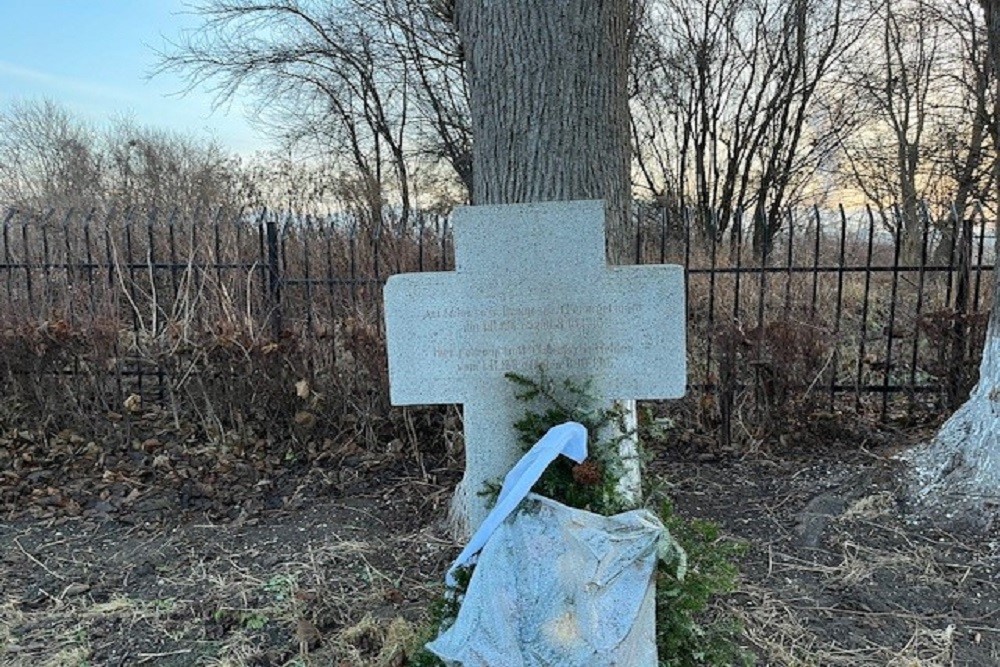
<point>556,586</point>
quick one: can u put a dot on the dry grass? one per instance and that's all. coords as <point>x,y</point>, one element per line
<point>283,594</point>
<point>779,631</point>
<point>856,588</point>
<point>342,585</point>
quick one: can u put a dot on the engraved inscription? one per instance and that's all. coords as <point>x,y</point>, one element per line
<point>481,354</point>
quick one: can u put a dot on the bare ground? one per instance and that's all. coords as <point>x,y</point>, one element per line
<point>341,572</point>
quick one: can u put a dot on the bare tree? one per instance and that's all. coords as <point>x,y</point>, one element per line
<point>365,85</point>
<point>917,89</point>
<point>48,158</point>
<point>427,42</point>
<point>549,99</point>
<point>957,474</point>
<point>963,146</point>
<point>724,109</point>
<point>153,170</point>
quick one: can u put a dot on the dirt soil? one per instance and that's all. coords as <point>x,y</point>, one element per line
<point>335,563</point>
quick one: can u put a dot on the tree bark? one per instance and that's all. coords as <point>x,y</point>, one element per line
<point>957,474</point>
<point>548,92</point>
<point>549,100</point>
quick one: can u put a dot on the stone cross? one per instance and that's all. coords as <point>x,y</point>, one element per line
<point>531,288</point>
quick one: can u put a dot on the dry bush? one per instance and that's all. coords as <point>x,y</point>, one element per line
<point>182,315</point>
<point>770,377</point>
<point>56,374</point>
<point>956,340</point>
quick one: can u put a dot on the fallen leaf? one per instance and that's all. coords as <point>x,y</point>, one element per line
<point>302,389</point>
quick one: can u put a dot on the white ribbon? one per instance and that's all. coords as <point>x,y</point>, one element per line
<point>569,439</point>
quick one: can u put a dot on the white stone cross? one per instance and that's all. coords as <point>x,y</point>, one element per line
<point>531,288</point>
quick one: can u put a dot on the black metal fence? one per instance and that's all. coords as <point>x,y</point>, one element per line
<point>833,309</point>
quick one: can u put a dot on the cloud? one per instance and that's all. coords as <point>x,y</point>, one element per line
<point>66,84</point>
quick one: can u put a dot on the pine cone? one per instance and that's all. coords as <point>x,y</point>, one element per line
<point>588,473</point>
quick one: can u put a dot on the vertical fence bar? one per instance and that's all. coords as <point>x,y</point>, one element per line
<point>713,251</point>
<point>815,266</point>
<point>788,263</point>
<point>245,267</point>
<point>127,265</point>
<point>273,300</point>
<point>420,242</point>
<point>839,307</point>
<point>90,263</point>
<point>71,285</point>
<point>192,268</point>
<point>8,261</point>
<point>288,307</point>
<point>49,305</point>
<point>952,260</point>
<point>762,223</point>
<point>376,294</point>
<point>172,238</point>
<point>331,288</point>
<point>664,212</point>
<point>959,329</point>
<point>110,259</point>
<point>979,255</point>
<point>638,235</point>
<point>686,223</point>
<point>134,302</point>
<point>217,250</point>
<point>352,243</point>
<point>25,252</point>
<point>195,265</point>
<point>737,305</point>
<point>687,281</point>
<point>306,231</point>
<point>250,263</point>
<point>979,267</point>
<point>263,259</point>
<point>184,305</point>
<point>154,306</point>
<point>863,334</point>
<point>890,328</point>
<point>446,243</point>
<point>726,389</point>
<point>919,307</point>
<point>376,250</point>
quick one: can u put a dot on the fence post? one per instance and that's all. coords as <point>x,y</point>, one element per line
<point>961,320</point>
<point>273,275</point>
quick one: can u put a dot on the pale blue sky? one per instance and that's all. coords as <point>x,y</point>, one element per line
<point>94,57</point>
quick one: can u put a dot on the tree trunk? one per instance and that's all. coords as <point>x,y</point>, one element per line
<point>549,101</point>
<point>548,92</point>
<point>957,474</point>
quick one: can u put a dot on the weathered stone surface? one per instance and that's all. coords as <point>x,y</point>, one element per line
<point>531,288</point>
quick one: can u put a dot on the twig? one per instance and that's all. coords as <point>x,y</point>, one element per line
<point>37,562</point>
<point>146,657</point>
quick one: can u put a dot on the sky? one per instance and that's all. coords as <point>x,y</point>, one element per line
<point>95,57</point>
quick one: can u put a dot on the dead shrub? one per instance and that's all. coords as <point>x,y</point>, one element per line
<point>955,340</point>
<point>57,372</point>
<point>768,378</point>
